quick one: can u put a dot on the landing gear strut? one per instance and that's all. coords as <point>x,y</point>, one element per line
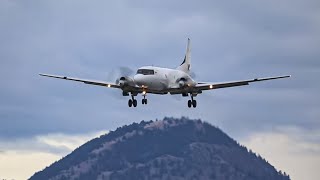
<point>132,102</point>
<point>192,102</point>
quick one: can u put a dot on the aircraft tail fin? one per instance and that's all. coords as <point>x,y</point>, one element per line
<point>186,64</point>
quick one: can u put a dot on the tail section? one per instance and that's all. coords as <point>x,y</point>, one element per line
<point>186,64</point>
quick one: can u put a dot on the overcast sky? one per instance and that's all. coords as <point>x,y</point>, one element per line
<point>94,39</point>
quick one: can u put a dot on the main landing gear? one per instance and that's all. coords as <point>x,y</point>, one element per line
<point>132,102</point>
<point>192,102</point>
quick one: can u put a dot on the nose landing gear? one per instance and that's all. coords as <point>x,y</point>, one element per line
<point>144,100</point>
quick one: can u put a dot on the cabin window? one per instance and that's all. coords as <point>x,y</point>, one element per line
<point>145,71</point>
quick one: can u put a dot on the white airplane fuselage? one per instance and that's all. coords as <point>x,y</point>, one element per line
<point>162,78</point>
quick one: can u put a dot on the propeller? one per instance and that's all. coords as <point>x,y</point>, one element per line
<point>115,74</point>
<point>192,74</point>
<point>122,71</point>
<point>126,71</point>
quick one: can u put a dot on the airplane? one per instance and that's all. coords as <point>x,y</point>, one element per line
<point>158,80</point>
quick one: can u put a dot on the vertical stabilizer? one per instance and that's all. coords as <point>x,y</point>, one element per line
<point>186,64</point>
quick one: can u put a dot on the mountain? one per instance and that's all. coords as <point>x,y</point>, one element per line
<point>166,149</point>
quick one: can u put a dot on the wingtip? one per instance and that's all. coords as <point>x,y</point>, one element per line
<point>43,74</point>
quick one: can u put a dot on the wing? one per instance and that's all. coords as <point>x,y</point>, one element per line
<point>210,86</point>
<point>86,81</point>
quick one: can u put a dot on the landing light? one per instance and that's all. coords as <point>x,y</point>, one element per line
<point>109,85</point>
<point>210,86</point>
<point>144,92</point>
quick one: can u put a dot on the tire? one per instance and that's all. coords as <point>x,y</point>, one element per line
<point>145,101</point>
<point>130,103</point>
<point>189,103</point>
<point>134,103</point>
<point>142,101</point>
<point>194,103</point>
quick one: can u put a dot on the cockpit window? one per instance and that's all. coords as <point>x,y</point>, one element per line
<point>145,71</point>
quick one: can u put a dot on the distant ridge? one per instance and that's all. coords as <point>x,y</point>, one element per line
<point>165,149</point>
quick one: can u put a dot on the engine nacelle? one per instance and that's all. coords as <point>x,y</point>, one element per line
<point>182,83</point>
<point>125,81</point>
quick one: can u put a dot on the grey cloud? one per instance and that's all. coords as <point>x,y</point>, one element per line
<point>56,143</point>
<point>32,145</point>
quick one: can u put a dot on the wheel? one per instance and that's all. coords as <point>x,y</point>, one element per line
<point>194,103</point>
<point>144,101</point>
<point>189,103</point>
<point>134,103</point>
<point>130,103</point>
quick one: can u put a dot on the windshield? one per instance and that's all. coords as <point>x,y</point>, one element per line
<point>145,71</point>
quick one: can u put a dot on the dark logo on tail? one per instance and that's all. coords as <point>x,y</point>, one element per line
<point>183,60</point>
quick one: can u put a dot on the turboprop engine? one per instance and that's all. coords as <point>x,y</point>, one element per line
<point>183,82</point>
<point>125,81</point>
